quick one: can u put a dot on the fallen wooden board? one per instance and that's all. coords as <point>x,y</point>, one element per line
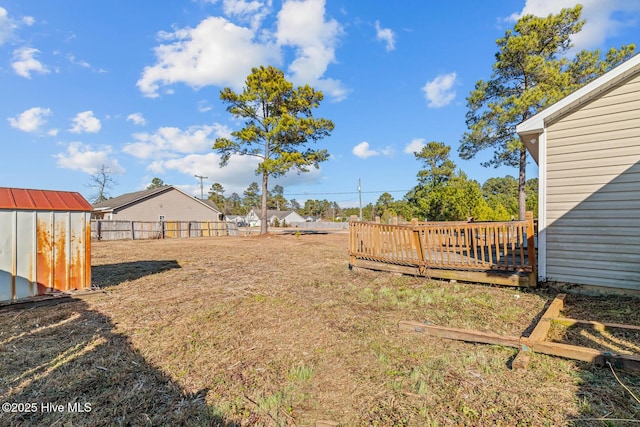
<point>460,334</point>
<point>598,326</point>
<point>541,330</point>
<point>586,354</point>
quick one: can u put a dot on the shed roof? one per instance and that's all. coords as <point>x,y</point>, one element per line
<point>42,200</point>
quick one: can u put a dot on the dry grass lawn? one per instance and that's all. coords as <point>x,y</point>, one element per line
<point>278,331</point>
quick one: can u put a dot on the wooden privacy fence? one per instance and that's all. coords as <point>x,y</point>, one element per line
<point>487,252</point>
<point>143,230</point>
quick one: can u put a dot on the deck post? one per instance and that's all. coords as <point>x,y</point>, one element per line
<point>531,247</point>
<point>417,243</point>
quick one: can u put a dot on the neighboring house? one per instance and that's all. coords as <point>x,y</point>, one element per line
<point>587,147</point>
<point>167,203</point>
<point>237,219</point>
<point>273,216</point>
<point>253,218</point>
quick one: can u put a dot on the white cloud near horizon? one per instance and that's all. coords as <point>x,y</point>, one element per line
<point>363,151</point>
<point>172,141</point>
<point>79,156</point>
<point>387,36</point>
<point>604,18</point>
<point>235,177</point>
<point>439,92</point>
<point>30,120</point>
<point>137,119</point>
<point>85,122</point>
<point>415,146</point>
<point>221,53</point>
<point>24,62</point>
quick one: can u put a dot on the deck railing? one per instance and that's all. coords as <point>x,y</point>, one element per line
<point>488,247</point>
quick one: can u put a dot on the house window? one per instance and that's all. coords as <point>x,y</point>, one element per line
<point>160,217</point>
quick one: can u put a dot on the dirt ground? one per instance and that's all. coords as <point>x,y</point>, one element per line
<point>277,331</point>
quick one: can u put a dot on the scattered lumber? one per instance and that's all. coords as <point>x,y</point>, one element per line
<point>536,341</point>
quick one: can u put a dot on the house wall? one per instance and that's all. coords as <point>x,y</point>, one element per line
<point>174,205</point>
<point>293,217</point>
<point>593,192</point>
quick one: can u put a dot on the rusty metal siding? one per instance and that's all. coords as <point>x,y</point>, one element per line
<point>43,251</point>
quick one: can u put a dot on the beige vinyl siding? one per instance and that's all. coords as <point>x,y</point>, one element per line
<point>174,205</point>
<point>593,192</point>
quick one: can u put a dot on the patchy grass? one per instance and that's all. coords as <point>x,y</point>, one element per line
<point>278,331</point>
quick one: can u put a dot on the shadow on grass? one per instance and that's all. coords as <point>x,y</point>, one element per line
<point>65,365</point>
<point>114,274</point>
<point>604,395</point>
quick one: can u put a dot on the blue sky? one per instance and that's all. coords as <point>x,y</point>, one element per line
<point>134,86</point>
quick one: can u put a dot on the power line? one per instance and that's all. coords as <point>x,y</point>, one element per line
<point>345,192</point>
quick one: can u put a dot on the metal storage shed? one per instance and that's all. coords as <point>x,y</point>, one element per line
<point>45,242</point>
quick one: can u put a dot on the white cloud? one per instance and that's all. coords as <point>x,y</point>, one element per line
<point>302,25</point>
<point>216,52</point>
<point>387,36</point>
<point>415,146</point>
<point>84,64</point>
<point>30,120</point>
<point>388,151</point>
<point>204,106</point>
<point>604,18</point>
<point>253,11</point>
<point>28,21</point>
<point>85,122</point>
<point>136,118</point>
<point>363,151</point>
<point>235,177</point>
<point>439,91</point>
<point>7,26</point>
<point>75,61</point>
<point>170,141</point>
<point>79,156</point>
<point>24,62</point>
<point>221,53</point>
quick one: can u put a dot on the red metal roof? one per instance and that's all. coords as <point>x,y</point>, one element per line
<point>42,200</point>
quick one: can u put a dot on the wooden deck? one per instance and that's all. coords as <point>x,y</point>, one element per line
<point>487,252</point>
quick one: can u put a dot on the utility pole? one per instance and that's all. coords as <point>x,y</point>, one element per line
<point>360,197</point>
<point>202,178</point>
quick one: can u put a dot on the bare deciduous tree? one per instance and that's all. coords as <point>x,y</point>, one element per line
<point>101,182</point>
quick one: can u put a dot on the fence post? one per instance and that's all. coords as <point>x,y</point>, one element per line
<point>99,229</point>
<point>531,247</point>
